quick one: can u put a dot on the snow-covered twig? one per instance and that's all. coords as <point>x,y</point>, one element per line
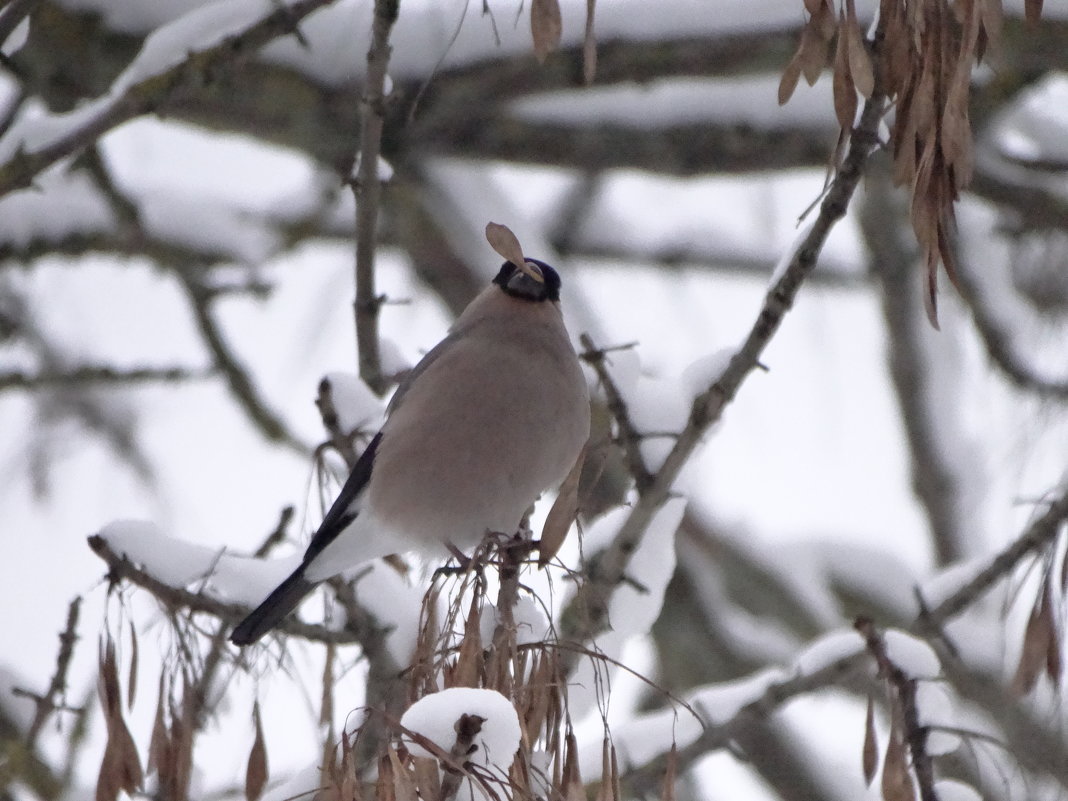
<point>367,190</point>
<point>1039,534</point>
<point>775,694</point>
<point>121,569</point>
<point>904,692</point>
<point>605,574</point>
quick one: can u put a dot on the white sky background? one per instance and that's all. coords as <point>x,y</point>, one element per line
<point>812,451</point>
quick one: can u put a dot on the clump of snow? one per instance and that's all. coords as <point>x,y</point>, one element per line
<point>177,563</point>
<point>946,582</point>
<point>65,204</point>
<point>701,373</point>
<point>393,359</point>
<point>915,657</point>
<point>720,703</point>
<point>435,716</point>
<point>827,649</point>
<point>358,408</point>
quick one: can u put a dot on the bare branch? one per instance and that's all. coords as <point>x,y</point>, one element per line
<point>235,373</point>
<point>121,569</point>
<point>1038,535</point>
<point>96,374</point>
<point>904,687</point>
<point>57,688</point>
<point>367,189</point>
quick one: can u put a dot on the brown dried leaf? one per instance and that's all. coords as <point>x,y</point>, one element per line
<point>159,745</point>
<point>993,18</point>
<point>183,728</point>
<point>403,784</point>
<point>1032,10</point>
<point>546,27</point>
<point>573,788</point>
<point>790,76</point>
<point>825,22</point>
<point>469,663</point>
<point>1036,643</point>
<point>256,771</point>
<point>562,514</point>
<point>813,52</point>
<point>813,6</point>
<point>896,783</point>
<point>670,774</point>
<point>384,788</point>
<point>859,61</point>
<point>845,97</point>
<point>1054,658</point>
<point>427,777</point>
<point>589,46</point>
<point>326,700</point>
<point>131,683</point>
<point>604,789</point>
<point>870,752</point>
<point>504,242</point>
<point>120,768</point>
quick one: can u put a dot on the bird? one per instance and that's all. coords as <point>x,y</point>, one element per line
<point>492,416</point>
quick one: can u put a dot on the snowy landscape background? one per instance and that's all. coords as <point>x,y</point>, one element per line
<point>798,512</point>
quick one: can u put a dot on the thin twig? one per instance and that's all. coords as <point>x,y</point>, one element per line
<point>630,438</point>
<point>49,702</point>
<point>646,777</point>
<point>121,569</point>
<point>367,190</point>
<point>904,687</point>
<point>97,374</point>
<point>236,374</point>
<point>1039,534</point>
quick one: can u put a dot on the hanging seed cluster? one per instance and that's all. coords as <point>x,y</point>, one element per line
<point>920,58</point>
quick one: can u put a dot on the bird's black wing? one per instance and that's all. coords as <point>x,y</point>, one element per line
<point>341,513</point>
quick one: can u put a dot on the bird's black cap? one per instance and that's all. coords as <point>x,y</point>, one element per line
<point>519,285</point>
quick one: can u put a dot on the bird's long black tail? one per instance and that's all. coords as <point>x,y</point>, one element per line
<point>277,605</point>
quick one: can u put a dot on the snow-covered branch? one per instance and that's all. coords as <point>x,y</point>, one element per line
<point>189,52</point>
<point>610,566</point>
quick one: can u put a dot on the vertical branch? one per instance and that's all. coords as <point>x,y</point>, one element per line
<point>922,371</point>
<point>367,190</point>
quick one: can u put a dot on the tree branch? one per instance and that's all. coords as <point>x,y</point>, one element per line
<point>367,189</point>
<point>606,572</point>
<point>1039,534</point>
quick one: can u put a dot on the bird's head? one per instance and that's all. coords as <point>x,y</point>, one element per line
<point>537,282</point>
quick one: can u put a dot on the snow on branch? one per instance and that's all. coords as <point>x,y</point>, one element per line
<point>190,51</point>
